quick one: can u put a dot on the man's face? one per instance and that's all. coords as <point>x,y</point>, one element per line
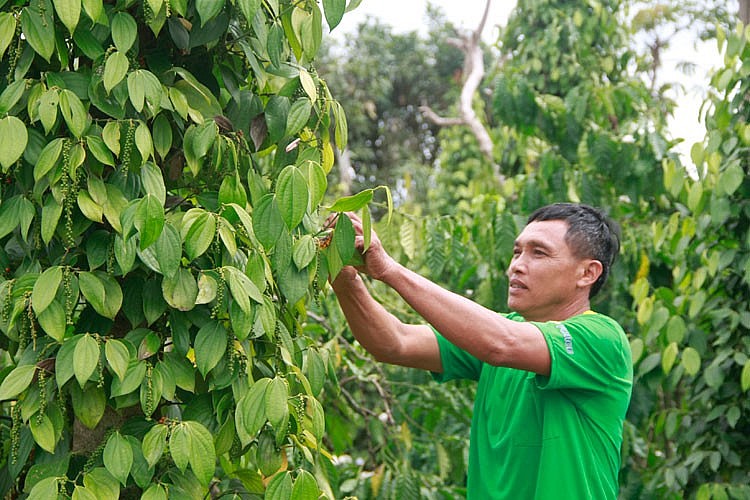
<point>544,273</point>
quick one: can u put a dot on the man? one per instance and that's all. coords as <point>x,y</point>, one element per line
<point>554,377</point>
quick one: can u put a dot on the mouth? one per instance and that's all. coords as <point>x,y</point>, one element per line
<point>517,285</point>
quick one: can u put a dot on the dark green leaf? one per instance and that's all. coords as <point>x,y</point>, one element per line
<point>36,23</point>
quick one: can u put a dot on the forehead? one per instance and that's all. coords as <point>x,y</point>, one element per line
<point>550,233</point>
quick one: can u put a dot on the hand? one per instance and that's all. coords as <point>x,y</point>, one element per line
<point>377,263</point>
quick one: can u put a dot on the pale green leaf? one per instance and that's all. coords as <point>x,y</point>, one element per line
<point>85,358</point>
<point>118,457</point>
<point>45,288</point>
<point>68,11</point>
<point>13,140</point>
<point>117,356</point>
<point>124,31</point>
<point>115,69</point>
<point>16,381</point>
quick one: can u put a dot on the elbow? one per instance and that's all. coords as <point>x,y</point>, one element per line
<point>500,352</point>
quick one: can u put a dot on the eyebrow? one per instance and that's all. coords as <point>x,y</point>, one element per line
<point>533,243</point>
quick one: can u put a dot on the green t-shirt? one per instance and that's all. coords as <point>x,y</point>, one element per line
<point>556,437</point>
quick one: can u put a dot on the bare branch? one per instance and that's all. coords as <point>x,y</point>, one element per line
<point>473,72</point>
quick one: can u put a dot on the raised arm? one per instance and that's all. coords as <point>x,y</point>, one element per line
<point>380,332</point>
<point>483,333</point>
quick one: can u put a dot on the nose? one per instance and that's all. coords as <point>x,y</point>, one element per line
<point>516,266</point>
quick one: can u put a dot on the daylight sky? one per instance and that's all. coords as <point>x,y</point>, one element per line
<point>409,15</point>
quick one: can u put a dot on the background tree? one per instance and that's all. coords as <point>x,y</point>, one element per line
<point>163,167</point>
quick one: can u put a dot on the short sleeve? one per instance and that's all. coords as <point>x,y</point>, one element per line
<point>588,352</point>
<point>457,363</point>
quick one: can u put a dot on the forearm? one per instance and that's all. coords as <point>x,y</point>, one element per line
<point>383,335</point>
<point>468,325</point>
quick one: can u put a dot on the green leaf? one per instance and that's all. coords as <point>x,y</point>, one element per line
<point>304,251</point>
<point>43,432</point>
<point>125,253</point>
<point>53,321</point>
<point>137,89</point>
<point>242,287</point>
<point>305,486</point>
<point>51,212</point>
<point>154,443</point>
<point>210,346</point>
<point>85,358</point>
<point>111,136</point>
<point>200,235</point>
<point>730,179</point>
<point>133,378</point>
<point>334,11</point>
<point>162,134</point>
<point>48,105</point>
<point>268,222</point>
<point>208,9</point>
<point>11,95</point>
<point>205,137</point>
<point>276,112</point>
<point>149,346</point>
<point>64,361</point>
<point>124,31</point>
<point>341,129</point>
<point>343,238</point>
<point>250,414</point>
<point>181,290</point>
<point>89,208</point>
<point>277,394</point>
<point>232,191</point>
<point>248,8</point>
<point>17,381</point>
<point>45,288</point>
<point>179,446</point>
<point>117,356</point>
<point>83,493</point>
<point>101,482</point>
<point>154,492</point>
<point>280,487</point>
<point>352,203</point>
<point>45,489</point>
<point>149,220</point>
<point>292,195</point>
<point>691,360</point>
<point>316,371</point>
<point>68,11</point>
<point>13,140</point>
<point>118,457</point>
<point>316,181</point>
<point>100,150</point>
<point>115,69</point>
<point>308,84</point>
<point>202,452</point>
<point>143,141</point>
<point>8,31</point>
<point>299,113</point>
<point>73,112</point>
<point>168,250</point>
<point>37,24</point>
<point>744,378</point>
<point>102,292</point>
<point>88,405</point>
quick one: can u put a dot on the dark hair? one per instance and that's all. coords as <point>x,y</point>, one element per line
<point>591,234</point>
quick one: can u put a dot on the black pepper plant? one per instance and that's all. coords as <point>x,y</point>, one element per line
<point>162,233</point>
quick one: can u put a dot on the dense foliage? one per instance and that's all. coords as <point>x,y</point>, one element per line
<point>163,168</point>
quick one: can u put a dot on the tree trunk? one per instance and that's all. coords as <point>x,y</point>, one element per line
<point>745,12</point>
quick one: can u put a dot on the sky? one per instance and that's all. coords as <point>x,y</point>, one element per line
<point>409,15</point>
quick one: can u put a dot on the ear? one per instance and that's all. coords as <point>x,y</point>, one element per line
<point>590,271</point>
